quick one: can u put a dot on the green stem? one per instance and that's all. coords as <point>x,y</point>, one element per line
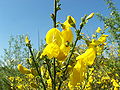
<point>60,85</point>
<point>54,88</point>
<point>68,60</point>
<point>36,66</point>
<point>54,68</point>
<point>55,13</point>
<point>48,66</point>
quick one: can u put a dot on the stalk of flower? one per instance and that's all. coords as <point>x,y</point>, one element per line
<point>34,62</point>
<point>78,38</point>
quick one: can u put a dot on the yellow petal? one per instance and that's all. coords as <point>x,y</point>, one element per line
<point>102,39</point>
<point>98,30</point>
<point>27,41</point>
<point>89,56</point>
<point>67,35</point>
<point>22,69</point>
<point>51,50</point>
<point>70,22</point>
<point>78,73</point>
<point>90,16</point>
<point>53,35</point>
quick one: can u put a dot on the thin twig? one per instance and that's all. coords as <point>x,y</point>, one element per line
<point>36,66</point>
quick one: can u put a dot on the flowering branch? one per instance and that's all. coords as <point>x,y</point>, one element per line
<point>35,64</point>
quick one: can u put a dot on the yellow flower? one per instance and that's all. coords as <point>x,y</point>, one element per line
<point>102,39</point>
<point>19,79</point>
<point>54,36</point>
<point>105,78</point>
<point>61,56</point>
<point>90,16</point>
<point>29,76</point>
<point>115,84</point>
<point>49,82</point>
<point>23,70</point>
<point>99,49</point>
<point>90,79</point>
<point>116,88</point>
<point>89,56</point>
<point>70,22</point>
<point>42,69</point>
<point>93,35</point>
<point>98,30</point>
<point>20,87</point>
<point>11,78</point>
<point>27,41</point>
<point>67,35</point>
<point>51,50</point>
<point>65,49</point>
<point>78,74</point>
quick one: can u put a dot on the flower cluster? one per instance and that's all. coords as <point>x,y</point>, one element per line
<point>58,42</point>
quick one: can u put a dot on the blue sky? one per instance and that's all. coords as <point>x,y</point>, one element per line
<point>19,17</point>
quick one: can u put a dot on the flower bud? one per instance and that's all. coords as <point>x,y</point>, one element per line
<point>90,16</point>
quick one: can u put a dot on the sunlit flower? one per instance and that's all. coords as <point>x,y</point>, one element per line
<point>102,38</point>
<point>27,41</point>
<point>67,35</point>
<point>11,78</point>
<point>20,87</point>
<point>70,22</point>
<point>23,70</point>
<point>93,35</point>
<point>78,73</point>
<point>89,56</point>
<point>51,50</point>
<point>115,84</point>
<point>98,30</point>
<point>54,36</point>
<point>49,82</point>
<point>90,16</point>
<point>65,49</point>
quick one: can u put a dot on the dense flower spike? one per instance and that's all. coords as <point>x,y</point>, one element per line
<point>23,70</point>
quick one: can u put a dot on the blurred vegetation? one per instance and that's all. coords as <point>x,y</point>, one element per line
<point>104,74</point>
